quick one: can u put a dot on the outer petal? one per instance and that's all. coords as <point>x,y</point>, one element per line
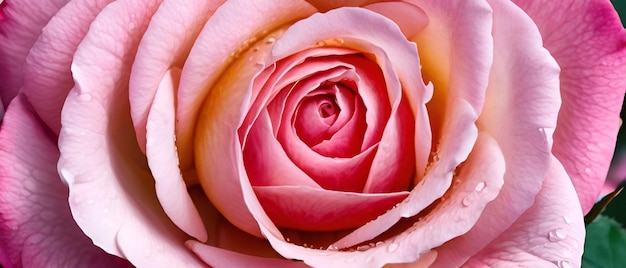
<point>520,109</point>
<point>111,191</point>
<point>47,75</point>
<point>165,45</point>
<point>588,41</point>
<point>18,31</point>
<point>163,160</point>
<point>36,227</point>
<point>550,233</point>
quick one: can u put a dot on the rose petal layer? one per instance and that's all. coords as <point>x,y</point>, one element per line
<point>36,227</point>
<point>588,41</point>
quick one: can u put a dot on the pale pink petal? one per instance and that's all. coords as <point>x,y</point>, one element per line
<point>456,53</point>
<point>47,75</point>
<point>310,209</point>
<point>163,160</point>
<point>588,41</point>
<point>217,257</point>
<point>18,32</point>
<point>550,233</point>
<point>410,18</point>
<point>520,111</point>
<point>36,227</point>
<point>112,194</point>
<point>165,44</point>
<point>224,235</point>
<point>223,37</point>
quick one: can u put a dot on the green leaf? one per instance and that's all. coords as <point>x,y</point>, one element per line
<point>605,244</point>
<point>600,206</point>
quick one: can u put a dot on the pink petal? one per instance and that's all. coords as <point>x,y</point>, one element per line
<point>163,160</point>
<point>111,191</point>
<point>396,56</point>
<point>588,41</point>
<point>478,184</point>
<point>18,32</point>
<point>434,184</point>
<point>280,170</point>
<point>47,76</point>
<point>165,44</point>
<point>340,173</point>
<point>550,233</point>
<point>310,209</point>
<point>217,257</point>
<point>325,5</point>
<point>393,168</point>
<point>36,227</point>
<point>223,35</point>
<point>521,105</point>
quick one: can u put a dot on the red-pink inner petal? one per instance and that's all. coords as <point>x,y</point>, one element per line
<point>305,208</point>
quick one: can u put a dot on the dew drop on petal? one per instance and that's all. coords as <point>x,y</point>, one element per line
<point>480,186</point>
<point>392,247</point>
<point>271,40</point>
<point>557,235</point>
<point>563,264</point>
<point>363,248</point>
<point>466,201</point>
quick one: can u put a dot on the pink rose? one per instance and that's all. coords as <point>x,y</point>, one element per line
<point>184,133</point>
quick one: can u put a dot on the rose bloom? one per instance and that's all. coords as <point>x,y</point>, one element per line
<point>191,133</point>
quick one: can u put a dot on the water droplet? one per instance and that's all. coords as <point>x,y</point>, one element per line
<point>563,264</point>
<point>333,248</point>
<point>320,43</point>
<point>255,49</point>
<point>85,97</point>
<point>557,235</point>
<point>480,186</point>
<point>392,247</point>
<point>271,39</point>
<point>287,239</point>
<point>588,170</point>
<point>379,243</point>
<point>363,248</point>
<point>466,201</point>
